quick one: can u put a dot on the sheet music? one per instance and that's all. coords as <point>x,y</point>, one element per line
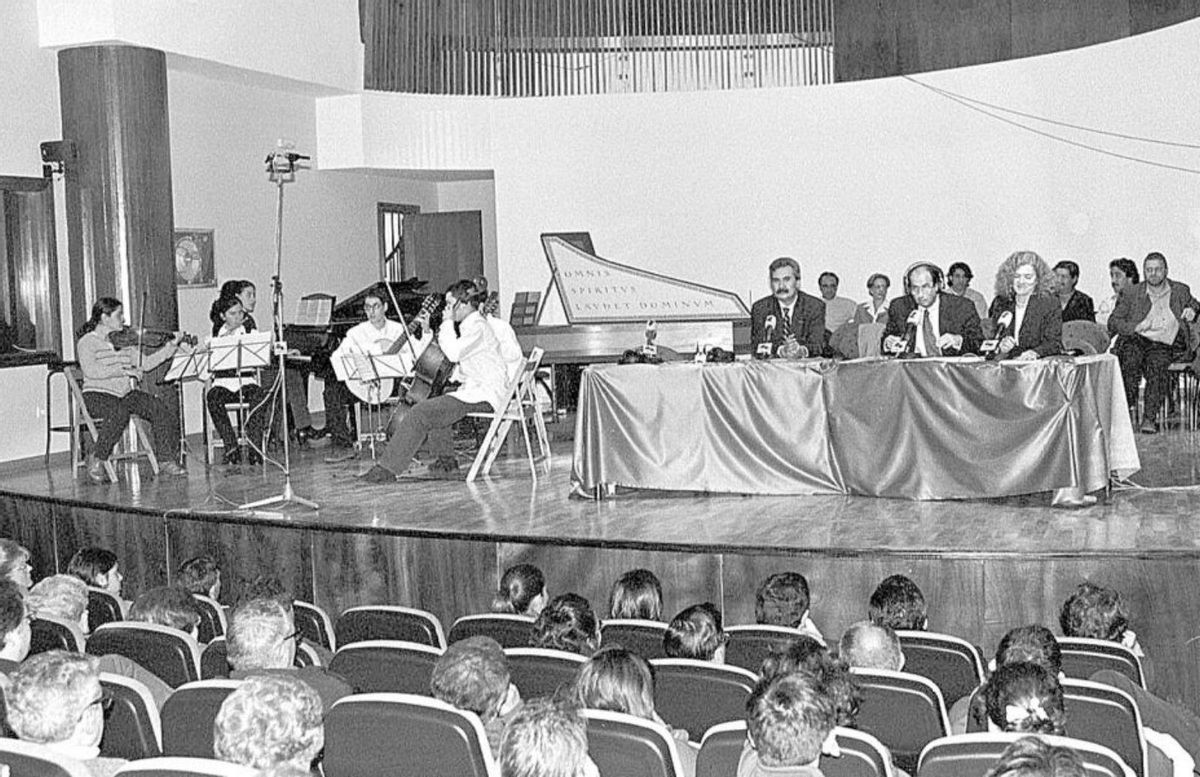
<point>314,312</point>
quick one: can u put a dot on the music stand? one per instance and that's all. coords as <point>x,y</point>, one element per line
<point>238,352</point>
<point>185,367</point>
<point>371,369</point>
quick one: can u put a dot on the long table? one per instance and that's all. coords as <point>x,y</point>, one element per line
<point>919,429</point>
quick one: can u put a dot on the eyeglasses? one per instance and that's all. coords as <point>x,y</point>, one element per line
<point>369,306</point>
<point>296,635</point>
<point>105,700</point>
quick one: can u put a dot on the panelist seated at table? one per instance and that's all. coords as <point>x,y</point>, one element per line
<point>927,321</point>
<point>789,323</point>
<point>1025,311</point>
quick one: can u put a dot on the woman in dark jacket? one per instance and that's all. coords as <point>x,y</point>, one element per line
<point>1024,301</point>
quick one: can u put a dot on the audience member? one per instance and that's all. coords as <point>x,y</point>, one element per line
<point>522,591</point>
<point>14,627</point>
<point>803,653</point>
<point>1095,612</point>
<point>200,576</point>
<point>867,646</point>
<point>546,738</point>
<point>696,633</point>
<point>567,623</point>
<point>783,600</point>
<point>838,310</point>
<point>55,699</point>
<point>831,676</point>
<point>1152,319</point>
<point>1024,296</point>
<point>958,283</point>
<point>620,680</point>
<point>473,676</point>
<point>262,640</point>
<point>1025,698</point>
<point>1122,273</point>
<point>898,603</point>
<point>270,587</point>
<point>1032,757</point>
<point>787,722</point>
<point>1075,305</point>
<point>98,568</point>
<point>62,599</point>
<point>269,722</point>
<point>14,564</point>
<point>1025,644</point>
<point>167,606</point>
<point>636,594</point>
<point>875,309</point>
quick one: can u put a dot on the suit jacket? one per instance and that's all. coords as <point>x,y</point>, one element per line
<point>956,316</point>
<point>1134,305</point>
<point>1041,327</point>
<point>1079,308</point>
<point>808,323</point>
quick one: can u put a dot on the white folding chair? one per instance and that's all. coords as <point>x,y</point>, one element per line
<point>521,404</point>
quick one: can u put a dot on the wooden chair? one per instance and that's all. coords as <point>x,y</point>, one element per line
<point>138,445</point>
<point>522,407</point>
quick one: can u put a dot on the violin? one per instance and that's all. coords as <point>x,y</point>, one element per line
<point>148,340</point>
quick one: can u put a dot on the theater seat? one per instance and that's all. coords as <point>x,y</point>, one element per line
<point>386,666</point>
<point>314,624</point>
<point>407,624</point>
<point>132,728</point>
<point>971,755</point>
<point>26,759</point>
<point>540,672</point>
<point>953,664</point>
<point>212,619</point>
<point>721,749</point>
<point>103,608</point>
<point>185,767</point>
<point>171,654</point>
<point>1106,716</point>
<point>188,716</point>
<point>903,711</point>
<point>622,744</point>
<point>862,755</point>
<point>748,645</point>
<point>507,629</point>
<point>641,636</point>
<point>52,634</point>
<point>1082,658</point>
<point>697,695</point>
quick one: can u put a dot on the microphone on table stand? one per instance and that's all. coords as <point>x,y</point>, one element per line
<point>992,347</point>
<point>909,343</point>
<point>764,348</point>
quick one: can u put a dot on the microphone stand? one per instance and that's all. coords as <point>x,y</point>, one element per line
<point>281,166</point>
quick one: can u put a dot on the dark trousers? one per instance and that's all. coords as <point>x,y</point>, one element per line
<point>428,419</point>
<point>1140,358</point>
<point>218,397</point>
<point>116,411</point>
<point>339,418</point>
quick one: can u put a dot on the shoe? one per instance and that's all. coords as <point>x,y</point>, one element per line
<point>171,469</point>
<point>254,458</point>
<point>95,470</point>
<point>1087,500</point>
<point>378,474</point>
<point>232,456</point>
<point>316,434</point>
<point>1149,426</point>
<point>303,436</point>
<point>445,468</point>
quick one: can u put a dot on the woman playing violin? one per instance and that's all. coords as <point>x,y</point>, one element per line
<point>109,393</point>
<point>226,386</point>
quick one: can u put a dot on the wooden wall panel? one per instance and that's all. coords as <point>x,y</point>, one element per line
<point>865,44</point>
<point>31,523</point>
<point>952,33</point>
<point>1045,26</point>
<point>139,541</point>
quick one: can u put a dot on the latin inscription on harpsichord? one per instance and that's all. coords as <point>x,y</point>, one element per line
<point>596,290</point>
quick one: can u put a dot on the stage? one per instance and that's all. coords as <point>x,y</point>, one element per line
<point>984,565</point>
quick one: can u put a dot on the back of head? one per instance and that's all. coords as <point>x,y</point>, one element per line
<point>636,594</point>
<point>472,675</point>
<point>64,597</point>
<point>1034,644</point>
<point>787,720</point>
<point>1031,757</point>
<point>266,587</point>
<point>257,636</point>
<point>12,555</point>
<point>898,603</point>
<point>198,575</point>
<point>802,653</point>
<point>867,646</point>
<point>520,586</point>
<point>567,623</point>
<point>49,693</point>
<point>782,600</point>
<point>270,721</point>
<point>545,738</point>
<point>1024,697</point>
<point>695,633</point>
<point>12,616</point>
<point>166,606</point>
<point>1094,612</point>
<point>88,564</point>
<point>618,680</point>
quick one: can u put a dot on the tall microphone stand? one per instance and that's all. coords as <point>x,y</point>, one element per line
<point>281,165</point>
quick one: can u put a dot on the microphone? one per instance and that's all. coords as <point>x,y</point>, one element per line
<point>909,343</point>
<point>992,346</point>
<point>764,348</point>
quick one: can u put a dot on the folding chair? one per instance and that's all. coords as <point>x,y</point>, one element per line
<point>139,442</point>
<point>26,759</point>
<point>903,711</point>
<point>188,716</point>
<point>171,654</point>
<point>541,672</point>
<point>1082,657</point>
<point>384,621</point>
<point>952,663</point>
<point>641,636</point>
<point>386,666</point>
<point>748,645</point>
<point>971,755</point>
<point>362,733</point>
<point>314,624</point>
<point>185,767</point>
<point>624,744</point>
<point>697,695</point>
<point>506,628</point>
<point>212,440</point>
<point>1106,716</point>
<point>212,619</point>
<point>522,403</point>
<point>52,634</point>
<point>103,608</point>
<point>132,728</point>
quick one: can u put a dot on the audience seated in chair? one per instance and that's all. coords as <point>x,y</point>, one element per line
<point>55,699</point>
<point>270,587</point>
<point>473,676</point>
<point>99,569</point>
<point>270,722</point>
<point>831,676</point>
<point>14,627</point>
<point>1032,757</point>
<point>1025,698</point>
<point>696,633</point>
<point>166,606</point>
<point>546,738</point>
<point>637,594</point>
<point>200,576</point>
<point>567,623</point>
<point>522,591</point>
<point>14,564</point>
<point>898,603</point>
<point>783,600</point>
<point>788,721</point>
<point>62,599</point>
<point>867,646</point>
<point>1095,612</point>
<point>1027,644</point>
<point>618,680</point>
<point>262,642</point>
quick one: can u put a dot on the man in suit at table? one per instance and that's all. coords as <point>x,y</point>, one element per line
<point>943,324</point>
<point>789,323</point>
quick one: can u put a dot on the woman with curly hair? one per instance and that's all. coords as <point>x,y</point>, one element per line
<point>567,623</point>
<point>1025,301</point>
<point>1025,698</point>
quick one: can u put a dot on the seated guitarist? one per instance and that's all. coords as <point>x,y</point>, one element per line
<point>373,336</point>
<point>480,371</point>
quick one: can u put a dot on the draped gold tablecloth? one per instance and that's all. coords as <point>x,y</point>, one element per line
<point>920,429</point>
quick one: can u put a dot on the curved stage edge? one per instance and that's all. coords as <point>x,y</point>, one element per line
<point>984,566</point>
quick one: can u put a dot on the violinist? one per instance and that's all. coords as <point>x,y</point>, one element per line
<point>228,386</point>
<point>109,393</point>
<point>374,336</point>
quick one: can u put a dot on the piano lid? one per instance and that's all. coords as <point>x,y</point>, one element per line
<point>600,291</point>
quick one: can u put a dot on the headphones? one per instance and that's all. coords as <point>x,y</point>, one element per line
<point>935,272</point>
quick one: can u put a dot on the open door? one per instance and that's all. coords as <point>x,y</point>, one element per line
<point>444,247</point>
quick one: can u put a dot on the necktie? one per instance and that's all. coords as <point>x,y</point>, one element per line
<point>785,322</point>
<point>927,336</point>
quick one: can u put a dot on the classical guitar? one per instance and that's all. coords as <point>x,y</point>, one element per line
<point>373,391</point>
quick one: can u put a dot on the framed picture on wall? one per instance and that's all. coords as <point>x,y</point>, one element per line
<point>194,258</point>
